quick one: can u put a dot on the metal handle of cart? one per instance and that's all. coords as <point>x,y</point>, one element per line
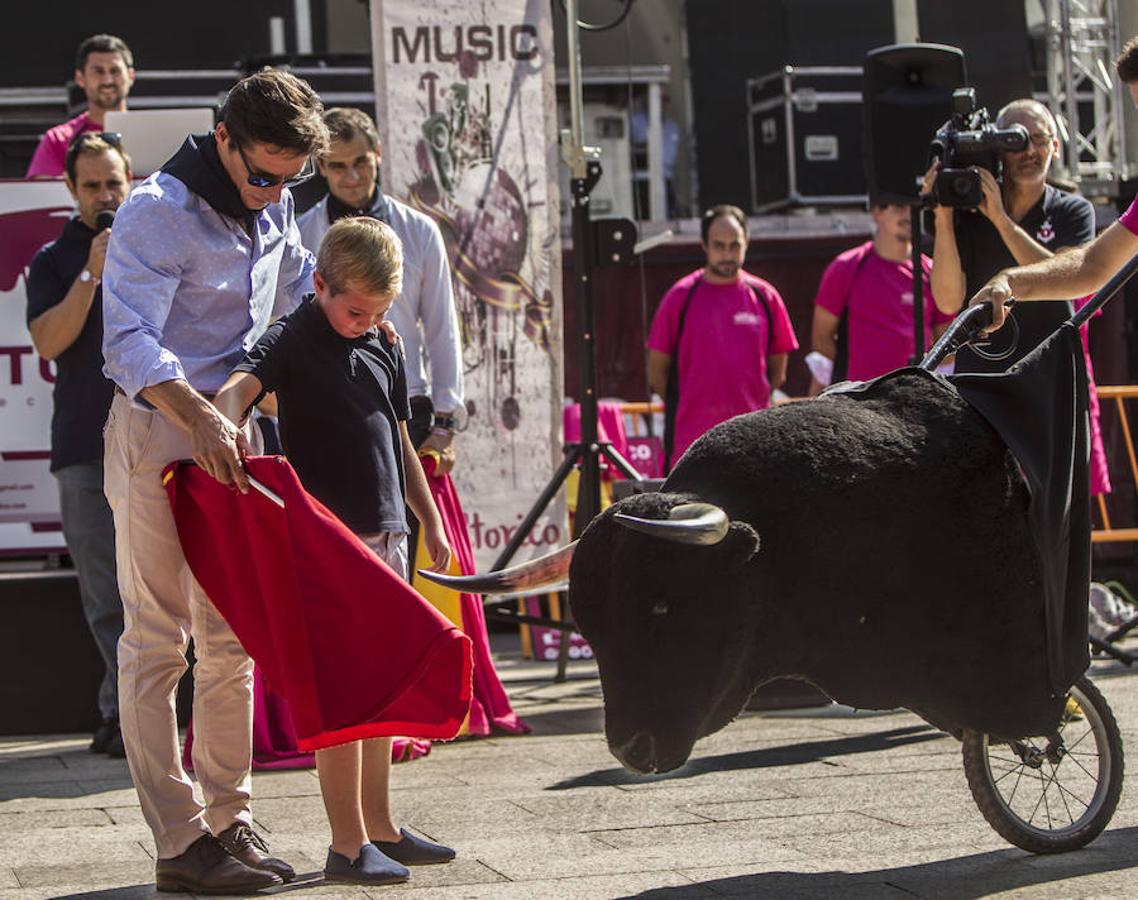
<point>966,326</point>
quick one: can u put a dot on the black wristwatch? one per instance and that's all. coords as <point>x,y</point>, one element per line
<point>443,422</point>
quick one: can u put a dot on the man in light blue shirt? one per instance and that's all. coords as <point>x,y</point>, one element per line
<point>203,255</point>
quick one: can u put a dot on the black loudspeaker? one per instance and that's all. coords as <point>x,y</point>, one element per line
<point>907,95</point>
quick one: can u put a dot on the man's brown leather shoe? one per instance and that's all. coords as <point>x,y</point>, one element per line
<point>249,847</point>
<point>207,868</point>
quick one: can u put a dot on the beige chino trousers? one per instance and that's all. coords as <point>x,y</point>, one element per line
<point>163,607</point>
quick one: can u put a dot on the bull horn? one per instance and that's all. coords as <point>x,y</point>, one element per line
<point>532,576</point>
<point>688,523</point>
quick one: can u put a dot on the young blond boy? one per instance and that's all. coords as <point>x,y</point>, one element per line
<point>342,400</point>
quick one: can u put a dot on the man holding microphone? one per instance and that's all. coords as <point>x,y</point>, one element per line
<point>65,319</point>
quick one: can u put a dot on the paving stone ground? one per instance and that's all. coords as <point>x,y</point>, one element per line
<point>814,803</point>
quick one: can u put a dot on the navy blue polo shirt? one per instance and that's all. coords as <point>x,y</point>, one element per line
<point>340,402</point>
<point>1057,220</point>
<point>82,394</point>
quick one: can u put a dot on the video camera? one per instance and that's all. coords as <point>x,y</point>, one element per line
<point>965,144</point>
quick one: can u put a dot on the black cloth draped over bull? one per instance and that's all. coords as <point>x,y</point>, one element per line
<point>1039,409</point>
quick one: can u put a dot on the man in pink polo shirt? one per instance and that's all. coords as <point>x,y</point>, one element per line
<point>863,313</point>
<point>727,331</point>
<point>104,69</point>
<point>1082,271</point>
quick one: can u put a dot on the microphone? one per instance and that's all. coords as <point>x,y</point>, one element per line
<point>104,220</point>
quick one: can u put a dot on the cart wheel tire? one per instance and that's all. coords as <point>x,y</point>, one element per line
<point>1051,806</point>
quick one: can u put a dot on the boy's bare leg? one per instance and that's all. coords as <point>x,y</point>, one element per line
<point>376,790</point>
<point>340,771</point>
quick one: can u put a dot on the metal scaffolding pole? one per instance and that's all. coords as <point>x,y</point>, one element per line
<point>1084,94</point>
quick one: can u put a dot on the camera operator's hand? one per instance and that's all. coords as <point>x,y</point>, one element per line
<point>929,181</point>
<point>942,215</point>
<point>992,206</point>
<point>998,292</point>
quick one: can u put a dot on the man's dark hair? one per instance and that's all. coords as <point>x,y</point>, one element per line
<point>716,212</point>
<point>276,108</point>
<point>1127,62</point>
<point>93,143</point>
<point>344,123</point>
<point>103,43</point>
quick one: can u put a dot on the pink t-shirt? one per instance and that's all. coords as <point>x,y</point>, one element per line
<point>727,337</point>
<point>50,159</point>
<point>1129,219</point>
<point>879,296</point>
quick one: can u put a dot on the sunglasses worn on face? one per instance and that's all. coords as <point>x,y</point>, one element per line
<point>264,180</point>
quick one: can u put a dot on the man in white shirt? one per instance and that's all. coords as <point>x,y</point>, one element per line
<point>424,313</point>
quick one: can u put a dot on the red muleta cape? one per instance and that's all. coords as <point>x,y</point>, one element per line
<point>352,647</point>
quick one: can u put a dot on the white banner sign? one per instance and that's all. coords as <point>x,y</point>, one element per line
<point>31,214</point>
<point>467,115</point>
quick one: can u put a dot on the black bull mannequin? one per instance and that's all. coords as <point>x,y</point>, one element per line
<point>876,543</point>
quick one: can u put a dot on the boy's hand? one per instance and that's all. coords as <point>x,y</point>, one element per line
<point>435,541</point>
<point>443,445</point>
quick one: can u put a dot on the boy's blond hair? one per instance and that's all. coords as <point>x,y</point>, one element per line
<point>363,253</point>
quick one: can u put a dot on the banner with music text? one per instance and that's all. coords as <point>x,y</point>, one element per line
<point>467,115</point>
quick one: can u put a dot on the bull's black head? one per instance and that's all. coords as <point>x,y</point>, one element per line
<point>671,625</point>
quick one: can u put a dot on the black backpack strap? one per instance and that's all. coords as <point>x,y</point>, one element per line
<point>672,388</point>
<point>842,353</point>
<point>758,295</point>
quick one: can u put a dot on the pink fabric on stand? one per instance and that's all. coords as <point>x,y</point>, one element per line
<point>1100,472</point>
<point>490,706</point>
<point>610,427</point>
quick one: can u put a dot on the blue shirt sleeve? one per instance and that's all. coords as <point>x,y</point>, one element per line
<point>297,266</point>
<point>140,277</point>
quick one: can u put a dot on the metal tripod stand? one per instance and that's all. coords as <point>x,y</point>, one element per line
<point>612,240</point>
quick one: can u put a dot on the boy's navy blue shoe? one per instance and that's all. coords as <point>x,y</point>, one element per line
<point>414,851</point>
<point>370,867</point>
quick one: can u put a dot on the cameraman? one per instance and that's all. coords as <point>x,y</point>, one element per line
<point>1020,220</point>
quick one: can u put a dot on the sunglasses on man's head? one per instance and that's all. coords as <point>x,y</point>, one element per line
<point>265,180</point>
<point>111,137</point>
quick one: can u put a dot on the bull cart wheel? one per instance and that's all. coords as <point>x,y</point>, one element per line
<point>1054,793</point>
